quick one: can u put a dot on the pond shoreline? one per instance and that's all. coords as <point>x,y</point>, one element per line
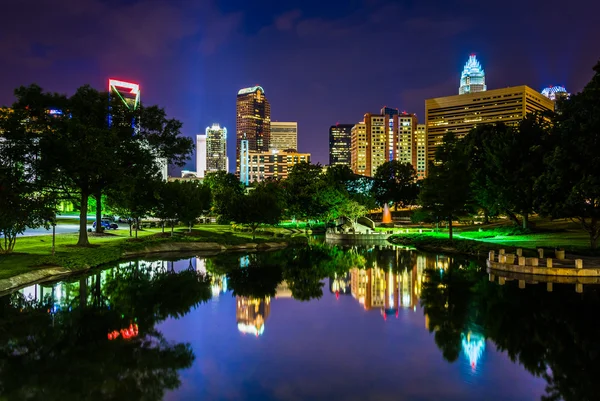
<point>49,273</point>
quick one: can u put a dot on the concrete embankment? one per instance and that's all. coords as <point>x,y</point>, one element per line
<point>52,273</point>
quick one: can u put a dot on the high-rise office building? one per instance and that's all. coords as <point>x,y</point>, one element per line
<point>216,148</point>
<point>253,122</point>
<point>358,148</point>
<point>405,138</point>
<point>373,142</point>
<point>472,78</point>
<point>556,94</point>
<point>461,113</point>
<point>284,136</point>
<point>420,156</point>
<point>340,142</point>
<point>129,93</point>
<point>273,164</point>
<point>201,155</point>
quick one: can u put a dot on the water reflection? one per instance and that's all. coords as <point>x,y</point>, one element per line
<point>105,324</point>
<point>94,337</point>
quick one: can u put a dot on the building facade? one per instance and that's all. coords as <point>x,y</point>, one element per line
<point>472,78</point>
<point>284,136</point>
<point>420,157</point>
<point>201,165</point>
<point>253,121</point>
<point>273,165</point>
<point>405,141</point>
<point>340,144</point>
<point>216,148</point>
<point>461,113</point>
<point>358,148</point>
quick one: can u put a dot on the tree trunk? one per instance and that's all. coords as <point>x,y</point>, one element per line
<point>253,233</point>
<point>98,197</point>
<point>525,221</point>
<point>450,228</point>
<point>514,218</point>
<point>82,292</point>
<point>163,226</point>
<point>172,225</point>
<point>130,228</point>
<point>137,226</point>
<point>486,217</point>
<point>83,237</point>
<point>190,228</point>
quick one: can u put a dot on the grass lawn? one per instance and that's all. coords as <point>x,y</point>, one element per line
<point>32,252</point>
<point>563,234</point>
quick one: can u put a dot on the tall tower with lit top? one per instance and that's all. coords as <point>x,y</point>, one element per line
<point>472,78</point>
<point>253,122</point>
<point>129,93</point>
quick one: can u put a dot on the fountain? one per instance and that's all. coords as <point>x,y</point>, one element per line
<point>387,215</point>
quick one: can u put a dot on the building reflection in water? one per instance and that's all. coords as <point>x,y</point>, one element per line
<point>340,284</point>
<point>251,314</point>
<point>390,287</point>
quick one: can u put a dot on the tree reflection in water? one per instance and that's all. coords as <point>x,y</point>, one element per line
<point>67,349</point>
<point>554,335</point>
<point>94,338</point>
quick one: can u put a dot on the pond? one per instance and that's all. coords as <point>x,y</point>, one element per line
<point>318,323</point>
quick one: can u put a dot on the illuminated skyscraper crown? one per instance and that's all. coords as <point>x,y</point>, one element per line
<point>555,92</point>
<point>472,78</point>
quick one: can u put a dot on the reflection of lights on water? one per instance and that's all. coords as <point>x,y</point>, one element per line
<point>473,345</point>
<point>251,329</point>
<point>126,333</point>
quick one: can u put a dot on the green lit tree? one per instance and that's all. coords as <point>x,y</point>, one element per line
<point>445,191</point>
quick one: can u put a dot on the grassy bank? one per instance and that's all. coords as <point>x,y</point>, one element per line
<point>35,252</point>
<point>549,235</point>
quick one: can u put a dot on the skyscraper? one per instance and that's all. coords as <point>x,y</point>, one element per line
<point>284,135</point>
<point>461,113</point>
<point>556,94</point>
<point>253,121</point>
<point>340,141</point>
<point>472,78</point>
<point>216,148</point>
<point>129,93</point>
<point>201,155</point>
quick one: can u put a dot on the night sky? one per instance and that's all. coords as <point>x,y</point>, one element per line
<point>320,62</point>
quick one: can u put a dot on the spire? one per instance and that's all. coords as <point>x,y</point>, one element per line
<point>472,78</point>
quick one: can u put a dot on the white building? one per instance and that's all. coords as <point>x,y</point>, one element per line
<point>201,155</point>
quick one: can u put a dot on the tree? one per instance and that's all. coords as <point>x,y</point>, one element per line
<point>570,185</point>
<point>353,211</point>
<point>260,206</point>
<point>22,205</point>
<point>445,191</point>
<point>193,200</point>
<point>23,201</point>
<point>303,185</point>
<point>86,147</point>
<point>395,182</point>
<point>225,189</point>
<point>136,198</point>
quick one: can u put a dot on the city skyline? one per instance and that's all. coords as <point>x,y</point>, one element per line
<point>179,72</point>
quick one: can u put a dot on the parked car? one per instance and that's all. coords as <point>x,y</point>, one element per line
<point>107,224</point>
